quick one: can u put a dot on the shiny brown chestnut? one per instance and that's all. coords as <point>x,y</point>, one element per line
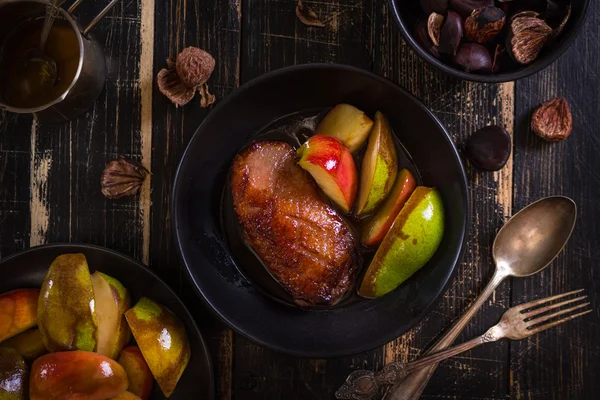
<point>473,57</point>
<point>484,24</point>
<point>434,6</point>
<point>451,34</point>
<point>466,7</point>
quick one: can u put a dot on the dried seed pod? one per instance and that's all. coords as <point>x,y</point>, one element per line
<point>171,86</point>
<point>122,177</point>
<point>194,66</point>
<point>466,7</point>
<point>526,37</point>
<point>473,57</point>
<point>451,34</point>
<point>434,27</point>
<point>552,120</point>
<point>434,6</point>
<point>307,16</point>
<point>484,24</point>
<point>207,97</point>
<point>423,39</point>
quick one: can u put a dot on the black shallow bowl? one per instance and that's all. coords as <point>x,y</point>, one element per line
<point>406,13</point>
<point>28,269</point>
<point>197,198</point>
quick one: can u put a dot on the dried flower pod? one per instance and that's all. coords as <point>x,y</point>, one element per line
<point>451,34</point>
<point>434,6</point>
<point>207,98</point>
<point>552,120</point>
<point>484,24</point>
<point>194,66</point>
<point>423,39</point>
<point>474,57</point>
<point>434,27</point>
<point>557,15</point>
<point>122,177</point>
<point>527,35</point>
<point>466,7</point>
<point>307,16</point>
<point>171,86</point>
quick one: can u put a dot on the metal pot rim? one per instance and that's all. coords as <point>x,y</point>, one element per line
<point>63,96</point>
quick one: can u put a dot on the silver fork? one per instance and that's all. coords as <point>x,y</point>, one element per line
<point>517,323</point>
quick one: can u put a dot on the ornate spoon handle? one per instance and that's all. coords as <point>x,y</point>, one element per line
<point>366,385</point>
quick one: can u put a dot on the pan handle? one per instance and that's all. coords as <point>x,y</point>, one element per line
<point>99,17</point>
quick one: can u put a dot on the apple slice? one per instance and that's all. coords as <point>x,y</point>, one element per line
<point>347,123</point>
<point>379,167</point>
<point>138,372</point>
<point>76,375</point>
<point>377,226</point>
<point>111,302</point>
<point>18,312</point>
<point>331,164</point>
<point>29,344</point>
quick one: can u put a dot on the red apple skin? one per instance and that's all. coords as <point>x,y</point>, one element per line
<point>18,312</point>
<point>138,372</point>
<point>375,228</point>
<point>76,375</point>
<point>329,154</point>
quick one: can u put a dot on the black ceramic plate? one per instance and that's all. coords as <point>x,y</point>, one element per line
<point>28,269</point>
<point>221,281</point>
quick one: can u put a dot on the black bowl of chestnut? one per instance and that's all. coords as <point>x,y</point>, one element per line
<point>490,40</point>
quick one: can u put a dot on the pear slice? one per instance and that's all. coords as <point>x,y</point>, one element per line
<point>410,243</point>
<point>66,307</point>
<point>112,300</point>
<point>18,312</point>
<point>375,228</point>
<point>162,340</point>
<point>379,167</point>
<point>347,123</point>
<point>13,375</point>
<point>29,344</point>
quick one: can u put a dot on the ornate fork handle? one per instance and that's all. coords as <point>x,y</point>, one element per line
<point>366,385</point>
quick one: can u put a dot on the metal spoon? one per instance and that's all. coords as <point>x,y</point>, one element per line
<point>525,245</point>
<point>36,59</point>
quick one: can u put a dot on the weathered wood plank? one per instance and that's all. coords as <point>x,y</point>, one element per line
<point>273,38</point>
<point>463,107</point>
<point>560,363</point>
<point>215,27</point>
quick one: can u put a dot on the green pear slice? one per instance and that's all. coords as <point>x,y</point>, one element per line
<point>14,378</point>
<point>379,167</point>
<point>66,307</point>
<point>410,243</point>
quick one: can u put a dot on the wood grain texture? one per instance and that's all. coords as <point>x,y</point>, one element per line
<point>463,107</point>
<point>559,363</point>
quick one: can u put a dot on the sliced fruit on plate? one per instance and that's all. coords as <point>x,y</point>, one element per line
<point>13,375</point>
<point>138,372</point>
<point>111,301</point>
<point>18,312</point>
<point>410,243</point>
<point>379,167</point>
<point>375,228</point>
<point>66,309</point>
<point>347,123</point>
<point>162,340</point>
<point>331,164</point>
<point>76,375</point>
<point>29,344</point>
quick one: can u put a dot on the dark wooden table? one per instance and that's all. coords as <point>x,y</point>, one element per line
<point>50,191</point>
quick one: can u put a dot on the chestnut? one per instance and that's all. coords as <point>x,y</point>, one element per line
<point>451,33</point>
<point>484,24</point>
<point>466,7</point>
<point>473,57</point>
<point>422,37</point>
<point>434,6</point>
